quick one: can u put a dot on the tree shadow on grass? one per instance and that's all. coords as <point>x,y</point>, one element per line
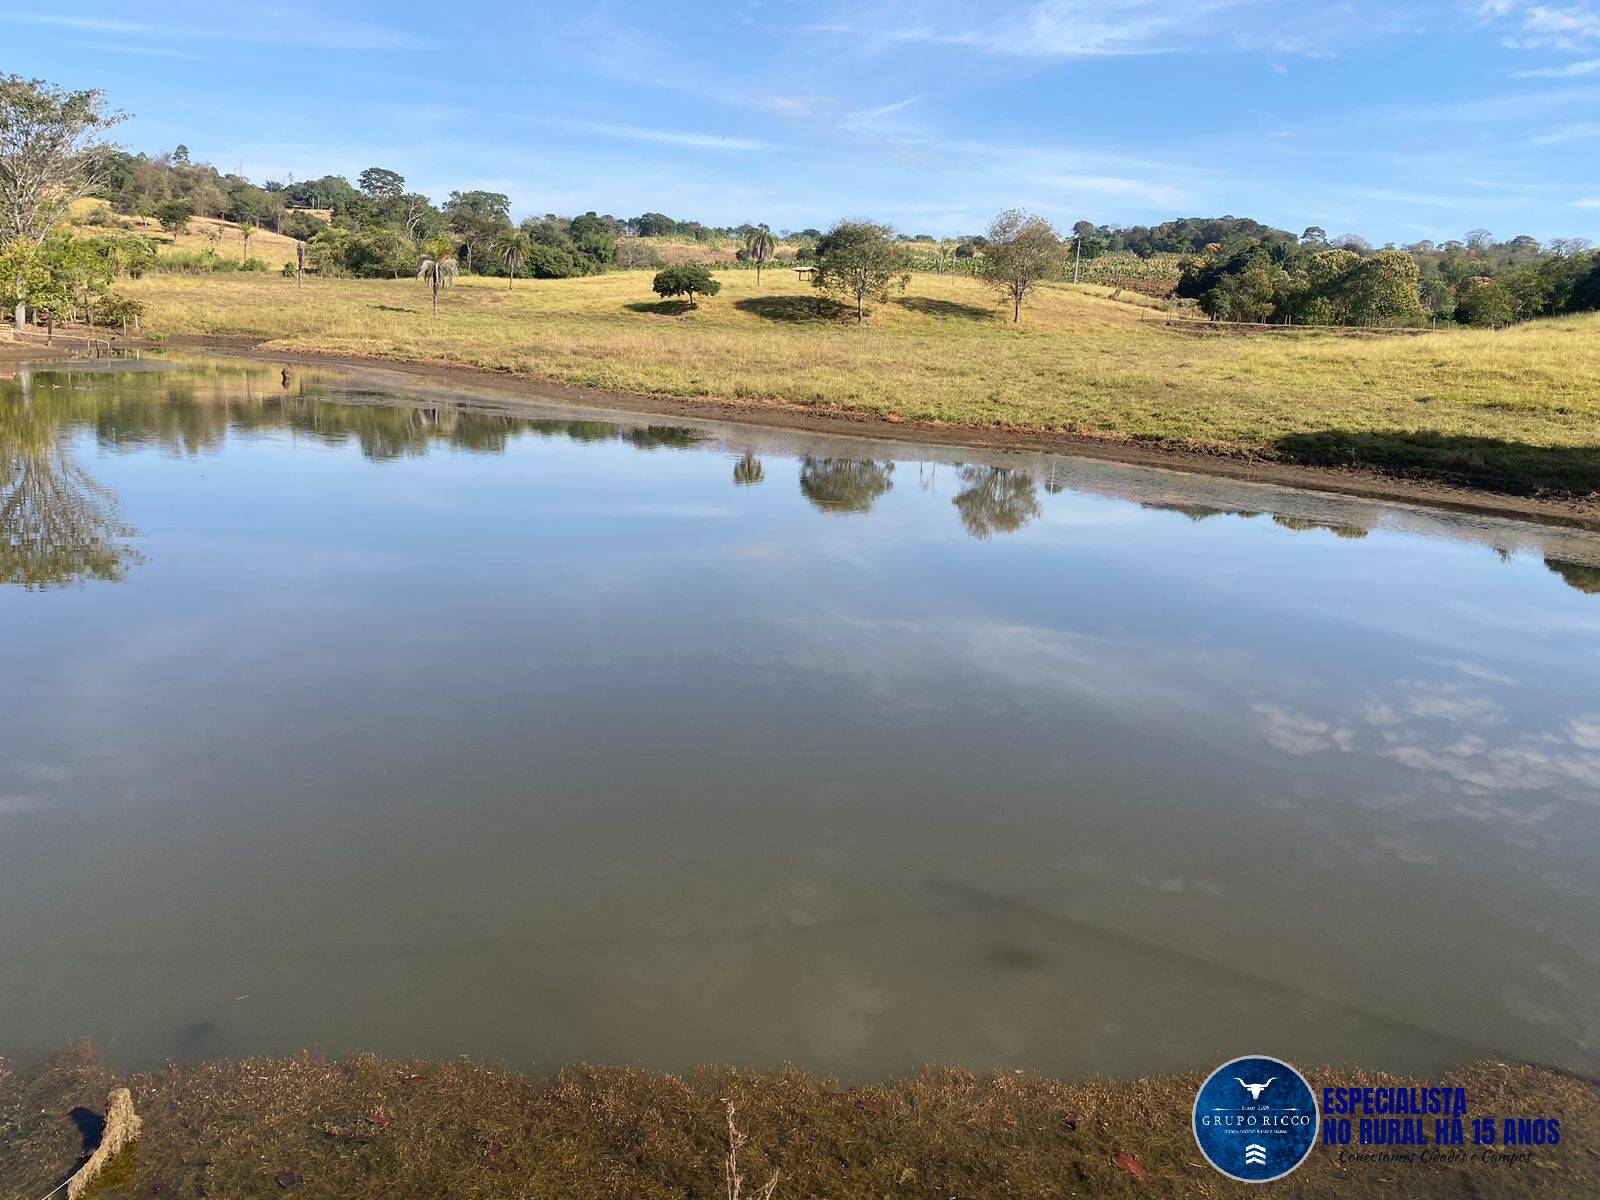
<point>1516,468</point>
<point>930,307</point>
<point>662,308</point>
<point>796,310</point>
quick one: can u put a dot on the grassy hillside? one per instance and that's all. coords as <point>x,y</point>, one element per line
<point>205,233</point>
<point>1517,409</point>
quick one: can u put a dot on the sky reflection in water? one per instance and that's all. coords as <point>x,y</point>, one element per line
<point>433,731</point>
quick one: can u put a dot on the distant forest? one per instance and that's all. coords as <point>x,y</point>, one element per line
<point>1235,268</point>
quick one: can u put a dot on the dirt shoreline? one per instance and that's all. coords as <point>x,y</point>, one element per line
<point>329,1129</point>
<point>1220,460</point>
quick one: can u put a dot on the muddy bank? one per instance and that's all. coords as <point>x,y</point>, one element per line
<point>1231,462</point>
<point>314,1127</point>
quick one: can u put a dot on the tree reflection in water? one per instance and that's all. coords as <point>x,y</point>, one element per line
<point>844,485</point>
<point>58,526</point>
<point>995,500</point>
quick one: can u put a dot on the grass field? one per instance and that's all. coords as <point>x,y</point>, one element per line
<point>204,233</point>
<point>370,1127</point>
<point>1516,410</point>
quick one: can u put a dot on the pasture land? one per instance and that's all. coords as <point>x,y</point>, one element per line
<point>1515,410</point>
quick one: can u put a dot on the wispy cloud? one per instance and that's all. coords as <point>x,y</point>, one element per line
<point>1533,26</point>
<point>145,51</point>
<point>664,137</point>
<point>1577,131</point>
<point>1589,202</point>
<point>1064,29</point>
<point>1569,71</point>
<point>798,105</point>
<point>305,27</point>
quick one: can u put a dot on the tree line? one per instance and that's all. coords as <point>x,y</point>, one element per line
<point>53,151</point>
<point>1313,279</point>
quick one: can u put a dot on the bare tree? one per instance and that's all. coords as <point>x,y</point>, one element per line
<point>51,154</point>
<point>1022,250</point>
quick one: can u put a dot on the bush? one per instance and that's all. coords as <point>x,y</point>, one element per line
<point>113,309</point>
<point>552,262</point>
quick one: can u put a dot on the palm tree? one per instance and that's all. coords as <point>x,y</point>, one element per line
<point>438,266</point>
<point>514,247</point>
<point>246,230</point>
<point>758,244</point>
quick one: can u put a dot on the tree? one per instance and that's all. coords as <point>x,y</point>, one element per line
<point>381,183</point>
<point>1382,290</point>
<point>174,215</point>
<point>1022,250</point>
<point>1315,235</point>
<point>758,244</point>
<point>514,247</point>
<point>1487,305</point>
<point>438,266</point>
<point>1479,240</point>
<point>51,154</point>
<point>686,279</point>
<point>860,259</point>
<point>246,231</point>
<point>477,218</point>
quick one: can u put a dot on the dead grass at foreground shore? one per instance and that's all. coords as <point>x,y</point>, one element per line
<point>367,1127</point>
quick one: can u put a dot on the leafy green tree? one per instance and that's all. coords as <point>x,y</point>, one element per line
<point>759,248</point>
<point>685,279</point>
<point>51,155</point>
<point>513,247</point>
<point>478,219</point>
<point>1487,305</point>
<point>1381,289</point>
<point>247,230</point>
<point>174,215</point>
<point>438,266</point>
<point>861,260</point>
<point>381,183</point>
<point>1023,250</point>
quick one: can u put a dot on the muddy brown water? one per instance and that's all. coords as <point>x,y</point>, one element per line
<point>351,713</point>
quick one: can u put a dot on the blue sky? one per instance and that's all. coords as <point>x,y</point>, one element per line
<point>1399,120</point>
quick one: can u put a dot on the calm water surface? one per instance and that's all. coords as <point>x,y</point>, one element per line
<point>339,722</point>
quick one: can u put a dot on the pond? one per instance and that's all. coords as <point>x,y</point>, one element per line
<point>345,710</point>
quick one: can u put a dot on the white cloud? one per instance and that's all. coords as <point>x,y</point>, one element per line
<point>1569,71</point>
<point>665,137</point>
<point>1567,27</point>
<point>303,27</point>
<point>798,105</point>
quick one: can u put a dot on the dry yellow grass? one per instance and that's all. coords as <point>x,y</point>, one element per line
<point>369,1127</point>
<point>205,233</point>
<point>1517,409</point>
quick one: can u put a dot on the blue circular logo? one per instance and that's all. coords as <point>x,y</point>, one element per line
<point>1256,1118</point>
